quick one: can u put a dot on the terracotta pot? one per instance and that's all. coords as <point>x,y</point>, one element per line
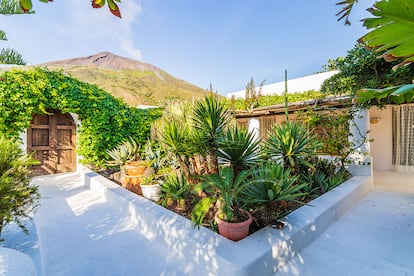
<point>132,183</point>
<point>234,231</point>
<point>135,168</point>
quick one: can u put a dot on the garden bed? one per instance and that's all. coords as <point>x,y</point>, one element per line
<point>114,175</point>
<point>205,252</point>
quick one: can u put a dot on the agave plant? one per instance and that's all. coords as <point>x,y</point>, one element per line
<point>124,153</point>
<point>316,182</point>
<point>155,156</point>
<point>240,148</point>
<point>291,143</point>
<point>269,190</point>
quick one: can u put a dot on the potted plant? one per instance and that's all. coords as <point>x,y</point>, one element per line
<point>126,155</point>
<point>224,190</point>
<point>271,187</point>
<point>135,165</point>
<point>151,187</point>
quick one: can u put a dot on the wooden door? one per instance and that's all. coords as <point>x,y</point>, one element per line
<point>52,139</point>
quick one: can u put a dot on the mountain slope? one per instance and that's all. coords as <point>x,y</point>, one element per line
<point>133,81</point>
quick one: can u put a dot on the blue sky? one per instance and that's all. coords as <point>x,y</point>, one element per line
<point>220,42</point>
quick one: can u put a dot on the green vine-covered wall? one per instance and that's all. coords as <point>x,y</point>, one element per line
<point>105,120</point>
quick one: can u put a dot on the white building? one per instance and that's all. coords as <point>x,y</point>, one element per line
<point>302,84</point>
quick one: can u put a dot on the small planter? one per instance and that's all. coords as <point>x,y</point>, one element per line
<point>234,231</point>
<point>135,168</point>
<point>152,192</point>
<point>132,183</point>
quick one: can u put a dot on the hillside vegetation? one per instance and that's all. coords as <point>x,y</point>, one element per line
<point>133,81</point>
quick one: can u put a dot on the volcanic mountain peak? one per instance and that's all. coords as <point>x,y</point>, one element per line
<point>134,81</point>
<point>109,61</point>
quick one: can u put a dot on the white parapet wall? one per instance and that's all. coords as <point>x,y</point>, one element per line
<point>204,252</point>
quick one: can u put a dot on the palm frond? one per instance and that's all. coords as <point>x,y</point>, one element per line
<point>345,12</point>
<point>239,147</point>
<point>3,35</point>
<point>392,29</point>
<point>11,56</point>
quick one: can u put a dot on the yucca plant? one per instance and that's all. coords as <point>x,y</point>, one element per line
<point>210,118</point>
<point>175,138</point>
<point>269,190</point>
<point>239,148</point>
<point>291,143</point>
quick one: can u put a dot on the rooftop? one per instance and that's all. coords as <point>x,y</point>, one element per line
<point>302,84</point>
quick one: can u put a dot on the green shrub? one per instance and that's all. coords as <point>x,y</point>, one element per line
<point>239,148</point>
<point>106,121</point>
<point>175,188</point>
<point>291,144</point>
<point>271,187</point>
<point>18,196</point>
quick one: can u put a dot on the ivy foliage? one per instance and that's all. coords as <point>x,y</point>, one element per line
<point>105,120</point>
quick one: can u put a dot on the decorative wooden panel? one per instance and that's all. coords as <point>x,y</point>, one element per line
<point>266,125</point>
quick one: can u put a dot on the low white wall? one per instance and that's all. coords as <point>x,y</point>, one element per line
<point>203,252</point>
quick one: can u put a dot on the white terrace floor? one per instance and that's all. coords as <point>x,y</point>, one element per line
<point>79,233</point>
<point>375,237</point>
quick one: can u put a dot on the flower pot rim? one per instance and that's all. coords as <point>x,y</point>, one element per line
<point>150,185</point>
<point>248,221</point>
<point>137,163</point>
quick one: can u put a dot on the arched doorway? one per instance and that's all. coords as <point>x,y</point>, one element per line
<point>52,138</point>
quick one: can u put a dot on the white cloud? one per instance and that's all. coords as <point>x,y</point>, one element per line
<point>87,24</point>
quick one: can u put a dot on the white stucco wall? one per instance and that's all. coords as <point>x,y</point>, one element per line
<point>23,138</point>
<point>381,133</point>
<point>359,134</point>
